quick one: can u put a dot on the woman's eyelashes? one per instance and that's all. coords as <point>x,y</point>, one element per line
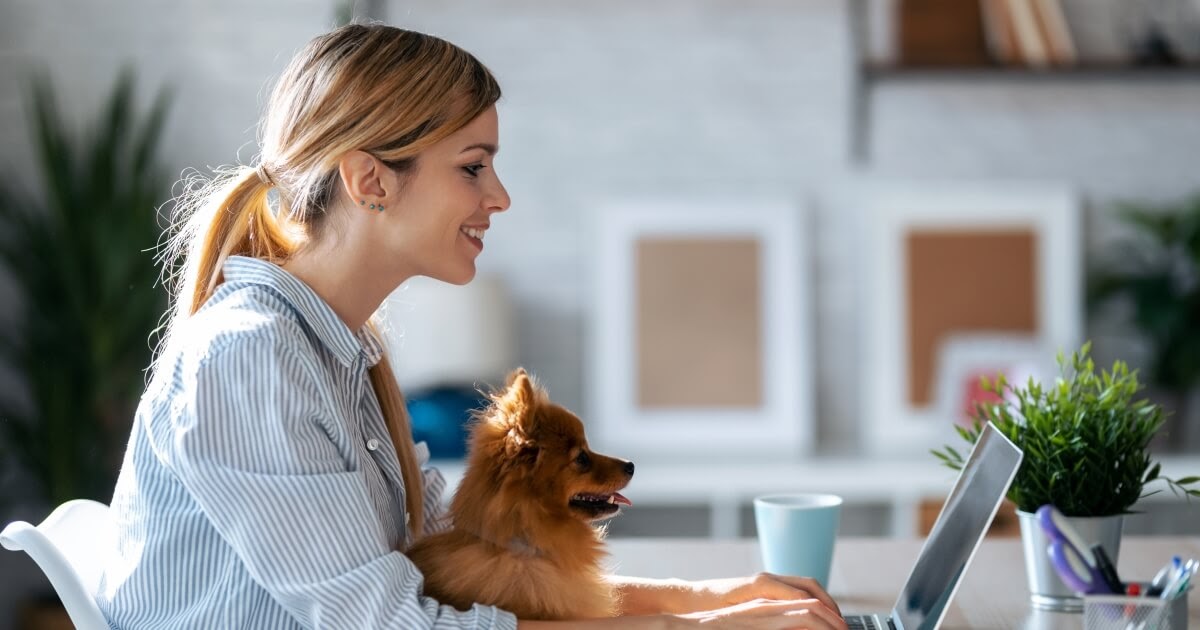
<point>473,169</point>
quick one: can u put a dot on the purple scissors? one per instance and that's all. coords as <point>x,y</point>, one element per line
<point>1071,555</point>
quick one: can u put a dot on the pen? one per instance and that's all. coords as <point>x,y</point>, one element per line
<point>1161,578</point>
<point>1107,571</point>
<point>1159,582</point>
<point>1179,583</point>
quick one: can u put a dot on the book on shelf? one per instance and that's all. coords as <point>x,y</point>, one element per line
<point>1033,48</point>
<point>1053,25</point>
<point>998,29</point>
<point>940,33</point>
<point>1028,32</point>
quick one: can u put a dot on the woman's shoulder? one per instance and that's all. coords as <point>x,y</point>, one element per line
<point>243,318</point>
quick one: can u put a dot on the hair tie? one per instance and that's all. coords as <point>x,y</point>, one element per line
<point>263,176</point>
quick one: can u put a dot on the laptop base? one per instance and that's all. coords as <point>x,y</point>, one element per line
<point>869,622</point>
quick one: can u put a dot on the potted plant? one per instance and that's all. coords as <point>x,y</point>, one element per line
<point>1157,272</point>
<point>1085,438</point>
<point>81,252</point>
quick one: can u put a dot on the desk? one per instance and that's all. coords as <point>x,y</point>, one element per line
<point>868,573</point>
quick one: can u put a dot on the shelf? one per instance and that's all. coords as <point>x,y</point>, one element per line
<point>875,75</point>
<point>1096,72</point>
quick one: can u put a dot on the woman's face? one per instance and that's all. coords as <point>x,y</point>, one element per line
<point>447,203</point>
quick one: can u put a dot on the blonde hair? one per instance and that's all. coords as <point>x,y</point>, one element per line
<point>380,89</point>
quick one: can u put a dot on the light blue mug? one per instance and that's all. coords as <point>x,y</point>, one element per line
<point>796,533</point>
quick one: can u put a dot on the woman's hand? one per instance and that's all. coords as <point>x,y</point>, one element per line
<point>723,593</point>
<point>757,614</point>
<point>754,615</point>
<point>764,600</point>
<point>763,614</point>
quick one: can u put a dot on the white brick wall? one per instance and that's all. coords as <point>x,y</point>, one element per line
<point>629,98</point>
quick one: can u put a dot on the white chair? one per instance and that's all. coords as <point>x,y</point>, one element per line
<point>70,546</point>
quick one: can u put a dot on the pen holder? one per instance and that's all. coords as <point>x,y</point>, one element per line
<point>1129,612</point>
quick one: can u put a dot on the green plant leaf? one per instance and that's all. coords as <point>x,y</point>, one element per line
<point>1084,437</point>
<point>90,303</point>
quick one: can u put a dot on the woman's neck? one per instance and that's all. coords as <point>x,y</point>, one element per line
<point>352,284</point>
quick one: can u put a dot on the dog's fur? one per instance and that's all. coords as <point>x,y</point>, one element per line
<point>519,539</point>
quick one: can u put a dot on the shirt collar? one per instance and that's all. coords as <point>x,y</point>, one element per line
<point>314,311</point>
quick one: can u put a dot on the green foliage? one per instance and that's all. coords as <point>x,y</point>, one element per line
<point>81,252</point>
<point>1085,439</point>
<point>1158,270</point>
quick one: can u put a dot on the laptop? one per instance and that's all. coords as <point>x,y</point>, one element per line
<point>955,537</point>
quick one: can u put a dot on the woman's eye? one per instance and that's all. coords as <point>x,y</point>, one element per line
<point>473,169</point>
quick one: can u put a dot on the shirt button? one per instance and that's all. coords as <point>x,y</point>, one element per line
<point>372,444</point>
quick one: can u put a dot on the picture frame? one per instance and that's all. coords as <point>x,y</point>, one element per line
<point>964,358</point>
<point>699,329</point>
<point>942,260</point>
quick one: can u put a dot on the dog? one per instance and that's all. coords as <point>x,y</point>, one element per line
<point>526,533</point>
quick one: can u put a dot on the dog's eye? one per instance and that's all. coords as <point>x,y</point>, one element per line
<point>583,460</point>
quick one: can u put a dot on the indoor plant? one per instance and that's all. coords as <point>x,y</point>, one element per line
<point>1085,440</point>
<point>1157,270</point>
<point>81,252</point>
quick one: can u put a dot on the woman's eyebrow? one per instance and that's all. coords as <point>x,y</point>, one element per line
<point>491,149</point>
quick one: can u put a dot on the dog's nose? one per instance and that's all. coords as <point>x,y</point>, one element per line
<point>628,468</point>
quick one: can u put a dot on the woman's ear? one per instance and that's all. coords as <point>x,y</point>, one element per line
<point>361,175</point>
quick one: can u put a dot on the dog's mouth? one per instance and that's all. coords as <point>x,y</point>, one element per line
<point>598,506</point>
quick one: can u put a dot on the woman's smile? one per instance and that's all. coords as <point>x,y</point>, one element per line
<point>473,234</point>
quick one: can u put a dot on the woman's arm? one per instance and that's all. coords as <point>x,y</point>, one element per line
<point>757,614</point>
<point>628,623</point>
<point>645,596</point>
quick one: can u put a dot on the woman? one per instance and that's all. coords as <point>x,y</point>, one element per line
<point>271,480</point>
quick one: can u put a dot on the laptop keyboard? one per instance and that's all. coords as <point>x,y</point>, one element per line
<point>864,622</point>
<point>856,622</point>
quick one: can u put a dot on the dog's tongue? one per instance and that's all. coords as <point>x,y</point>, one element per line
<point>620,498</point>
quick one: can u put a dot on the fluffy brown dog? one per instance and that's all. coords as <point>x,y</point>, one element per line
<point>524,535</point>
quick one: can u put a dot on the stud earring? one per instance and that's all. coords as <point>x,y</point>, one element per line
<point>362,202</point>
<point>381,207</point>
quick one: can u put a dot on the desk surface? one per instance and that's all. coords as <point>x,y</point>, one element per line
<point>868,573</point>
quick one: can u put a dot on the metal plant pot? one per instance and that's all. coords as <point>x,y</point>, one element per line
<point>1046,589</point>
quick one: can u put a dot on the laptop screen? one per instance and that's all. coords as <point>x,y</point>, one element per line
<point>956,535</point>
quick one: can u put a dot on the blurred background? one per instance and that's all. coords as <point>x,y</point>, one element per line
<point>824,104</point>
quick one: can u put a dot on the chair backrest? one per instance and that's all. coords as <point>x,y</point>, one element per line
<point>70,546</point>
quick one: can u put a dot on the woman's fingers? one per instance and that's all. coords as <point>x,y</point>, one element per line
<point>764,613</point>
<point>788,586</point>
<point>826,616</point>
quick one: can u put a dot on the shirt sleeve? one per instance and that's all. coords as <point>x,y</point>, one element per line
<point>253,442</point>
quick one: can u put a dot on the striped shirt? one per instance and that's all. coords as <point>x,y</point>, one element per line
<point>260,488</point>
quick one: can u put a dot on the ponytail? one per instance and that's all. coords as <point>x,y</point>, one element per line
<point>234,219</point>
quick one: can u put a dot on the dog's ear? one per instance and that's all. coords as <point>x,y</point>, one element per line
<point>519,399</point>
<point>516,410</point>
<point>514,375</point>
